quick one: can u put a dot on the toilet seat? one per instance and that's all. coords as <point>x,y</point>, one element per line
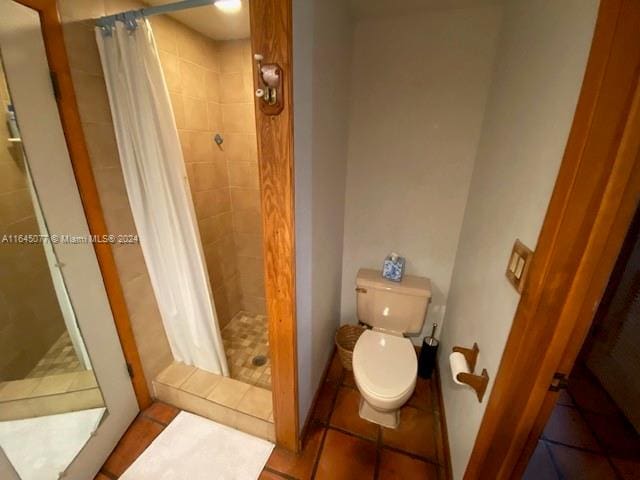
<point>384,366</point>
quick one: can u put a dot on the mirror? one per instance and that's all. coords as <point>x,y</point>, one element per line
<point>50,400</point>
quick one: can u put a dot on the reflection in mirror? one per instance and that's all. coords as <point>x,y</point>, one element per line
<point>49,397</point>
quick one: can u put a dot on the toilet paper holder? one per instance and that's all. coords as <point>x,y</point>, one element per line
<point>477,382</point>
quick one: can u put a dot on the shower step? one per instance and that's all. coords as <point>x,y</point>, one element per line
<point>224,400</point>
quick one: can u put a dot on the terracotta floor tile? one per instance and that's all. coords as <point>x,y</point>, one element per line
<point>299,466</point>
<point>614,433</point>
<point>345,457</point>
<point>422,396</point>
<point>267,475</point>
<point>627,468</point>
<point>567,426</point>
<point>581,465</point>
<point>398,466</point>
<point>136,439</point>
<point>334,374</point>
<point>345,415</point>
<point>324,404</point>
<point>161,412</point>
<point>541,465</point>
<point>415,434</point>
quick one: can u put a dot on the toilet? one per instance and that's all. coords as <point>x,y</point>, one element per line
<point>385,365</point>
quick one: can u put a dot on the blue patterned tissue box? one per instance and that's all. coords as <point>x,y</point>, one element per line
<point>393,267</point>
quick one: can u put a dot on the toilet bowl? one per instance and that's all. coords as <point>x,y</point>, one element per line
<point>385,369</point>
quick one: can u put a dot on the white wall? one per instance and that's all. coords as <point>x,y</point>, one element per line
<point>322,49</point>
<point>418,91</point>
<point>540,65</point>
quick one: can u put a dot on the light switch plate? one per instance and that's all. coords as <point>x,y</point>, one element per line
<point>518,266</point>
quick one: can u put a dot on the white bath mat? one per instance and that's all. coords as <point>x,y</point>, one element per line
<point>195,448</point>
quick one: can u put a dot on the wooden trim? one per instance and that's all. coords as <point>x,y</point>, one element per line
<point>71,125</point>
<point>595,195</point>
<point>271,36</point>
<point>443,423</point>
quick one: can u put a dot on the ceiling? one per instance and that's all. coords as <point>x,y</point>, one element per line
<point>379,8</point>
<point>212,22</point>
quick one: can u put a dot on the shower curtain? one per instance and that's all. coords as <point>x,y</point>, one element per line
<point>156,183</point>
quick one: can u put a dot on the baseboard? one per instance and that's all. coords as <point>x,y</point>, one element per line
<point>443,423</point>
<point>307,420</point>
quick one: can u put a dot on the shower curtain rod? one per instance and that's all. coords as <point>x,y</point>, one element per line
<point>130,16</point>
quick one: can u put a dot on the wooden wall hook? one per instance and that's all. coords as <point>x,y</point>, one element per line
<point>477,382</point>
<point>470,354</point>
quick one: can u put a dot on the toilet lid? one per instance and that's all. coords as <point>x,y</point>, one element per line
<point>384,365</point>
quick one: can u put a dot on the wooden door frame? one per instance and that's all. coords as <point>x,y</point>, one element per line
<point>592,205</point>
<point>271,36</point>
<point>71,125</point>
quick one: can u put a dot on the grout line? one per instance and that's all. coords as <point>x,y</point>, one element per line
<point>376,466</point>
<point>279,473</point>
<point>108,474</point>
<point>552,458</point>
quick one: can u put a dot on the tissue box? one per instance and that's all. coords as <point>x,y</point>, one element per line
<point>393,268</point>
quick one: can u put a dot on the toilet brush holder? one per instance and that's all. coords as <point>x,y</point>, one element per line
<point>428,353</point>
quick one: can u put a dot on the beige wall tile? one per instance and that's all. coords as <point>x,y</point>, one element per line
<point>101,143</point>
<point>165,33</point>
<point>129,260</point>
<point>243,174</point>
<point>237,118</point>
<point>201,383</point>
<point>214,117</point>
<point>82,48</point>
<point>212,82</point>
<point>91,95</point>
<point>111,188</point>
<point>252,425</point>
<point>252,283</point>
<point>74,10</point>
<point>257,402</point>
<point>175,374</point>
<point>212,229</point>
<point>245,198</point>
<point>248,245</point>
<point>193,79</point>
<point>247,221</point>
<point>211,202</point>
<point>256,305</point>
<point>240,147</point>
<point>228,392</point>
<point>195,114</point>
<point>172,71</point>
<point>177,104</point>
<point>236,87</point>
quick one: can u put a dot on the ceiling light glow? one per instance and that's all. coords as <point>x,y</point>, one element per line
<point>228,6</point>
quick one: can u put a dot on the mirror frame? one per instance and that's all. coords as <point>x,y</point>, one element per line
<point>58,61</point>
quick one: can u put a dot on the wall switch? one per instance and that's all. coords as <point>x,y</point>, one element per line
<point>518,267</point>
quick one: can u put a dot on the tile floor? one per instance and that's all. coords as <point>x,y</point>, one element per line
<point>245,337</point>
<point>586,438</point>
<point>60,358</point>
<point>338,445</point>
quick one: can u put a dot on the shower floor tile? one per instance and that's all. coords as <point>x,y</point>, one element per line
<point>246,337</point>
<point>61,358</point>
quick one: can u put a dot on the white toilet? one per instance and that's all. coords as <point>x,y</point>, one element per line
<point>385,364</point>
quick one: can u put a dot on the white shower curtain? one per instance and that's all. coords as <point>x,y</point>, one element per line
<point>159,194</point>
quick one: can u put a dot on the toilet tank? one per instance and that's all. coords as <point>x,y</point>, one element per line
<point>397,306</point>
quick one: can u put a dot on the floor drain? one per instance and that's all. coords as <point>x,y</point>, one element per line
<point>259,360</point>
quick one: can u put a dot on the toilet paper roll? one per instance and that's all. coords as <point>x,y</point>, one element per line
<point>458,364</point>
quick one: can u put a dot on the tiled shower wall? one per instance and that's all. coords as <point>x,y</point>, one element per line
<point>210,84</point>
<point>201,76</point>
<point>30,319</point>
<point>240,146</point>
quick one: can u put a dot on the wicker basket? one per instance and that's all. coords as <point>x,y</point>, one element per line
<point>346,338</point>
